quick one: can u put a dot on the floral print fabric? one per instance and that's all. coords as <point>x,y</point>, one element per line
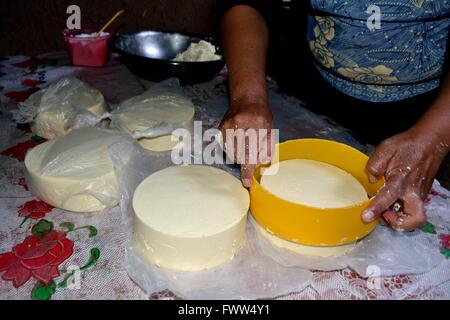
<point>402,59</point>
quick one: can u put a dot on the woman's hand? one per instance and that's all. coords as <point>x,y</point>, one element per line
<point>409,162</point>
<point>245,40</point>
<point>248,115</point>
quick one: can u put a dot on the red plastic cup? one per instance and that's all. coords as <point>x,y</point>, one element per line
<point>89,52</point>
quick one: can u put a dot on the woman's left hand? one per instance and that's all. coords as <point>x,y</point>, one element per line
<point>409,162</point>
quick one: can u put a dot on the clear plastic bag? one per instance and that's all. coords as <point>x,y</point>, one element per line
<point>66,104</point>
<point>75,172</point>
<point>139,115</point>
<point>260,269</point>
<point>388,251</point>
<point>250,275</point>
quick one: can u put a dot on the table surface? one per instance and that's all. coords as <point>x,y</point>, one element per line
<point>95,241</point>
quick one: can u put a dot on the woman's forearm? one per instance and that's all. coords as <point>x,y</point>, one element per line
<point>437,119</point>
<point>245,40</point>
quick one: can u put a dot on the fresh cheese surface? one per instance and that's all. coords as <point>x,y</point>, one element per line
<point>58,104</point>
<point>196,52</point>
<point>303,249</point>
<point>314,183</point>
<point>75,172</point>
<point>189,218</point>
<point>144,112</point>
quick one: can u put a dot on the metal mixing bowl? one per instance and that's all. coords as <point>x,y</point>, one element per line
<point>149,55</point>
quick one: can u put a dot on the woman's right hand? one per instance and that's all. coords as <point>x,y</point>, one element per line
<point>247,115</point>
<point>245,40</point>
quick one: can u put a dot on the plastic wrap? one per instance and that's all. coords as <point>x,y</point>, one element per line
<point>251,274</point>
<point>388,251</point>
<point>66,104</point>
<point>75,172</point>
<point>259,269</point>
<point>143,116</point>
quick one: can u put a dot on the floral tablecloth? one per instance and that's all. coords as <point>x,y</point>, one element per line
<point>48,253</point>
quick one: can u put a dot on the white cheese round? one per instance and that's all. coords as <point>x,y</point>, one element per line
<point>147,111</point>
<point>303,249</point>
<point>58,105</point>
<point>189,218</point>
<point>75,172</point>
<point>313,183</point>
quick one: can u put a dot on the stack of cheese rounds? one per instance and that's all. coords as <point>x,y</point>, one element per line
<point>315,184</point>
<point>75,172</point>
<point>189,218</point>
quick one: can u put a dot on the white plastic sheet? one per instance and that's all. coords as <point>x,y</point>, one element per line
<point>387,251</point>
<point>259,269</point>
<point>250,275</point>
<point>66,104</point>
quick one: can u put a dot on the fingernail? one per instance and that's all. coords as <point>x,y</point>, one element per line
<point>368,216</point>
<point>372,179</point>
<point>247,183</point>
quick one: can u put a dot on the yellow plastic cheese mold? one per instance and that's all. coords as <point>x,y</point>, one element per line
<point>308,225</point>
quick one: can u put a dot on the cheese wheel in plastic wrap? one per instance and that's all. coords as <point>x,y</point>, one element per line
<point>75,172</point>
<point>67,104</point>
<point>158,111</point>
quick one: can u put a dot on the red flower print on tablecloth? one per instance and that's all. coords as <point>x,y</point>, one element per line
<point>20,96</point>
<point>398,282</point>
<point>358,284</point>
<point>37,257</point>
<point>434,192</point>
<point>34,209</point>
<point>445,245</point>
<point>31,82</point>
<point>31,63</point>
<point>445,241</point>
<point>20,150</point>
<point>23,183</point>
<point>40,255</point>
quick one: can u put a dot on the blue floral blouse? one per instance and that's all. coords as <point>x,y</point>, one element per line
<point>401,59</point>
